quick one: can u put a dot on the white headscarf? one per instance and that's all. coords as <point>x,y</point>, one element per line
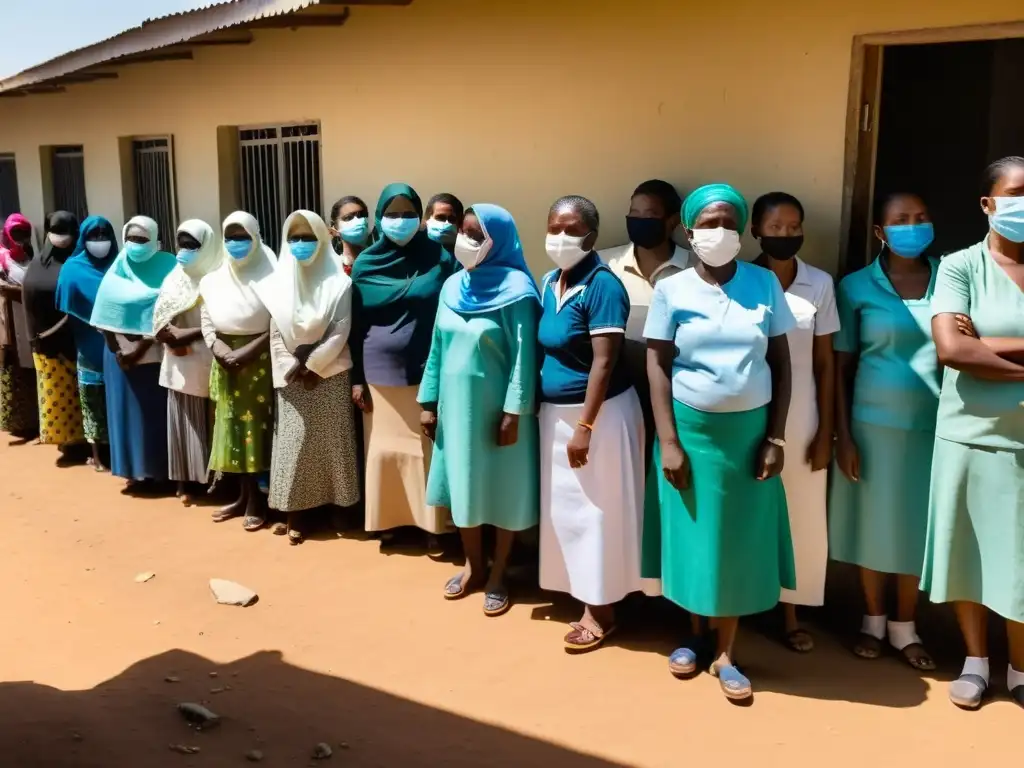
<point>232,293</point>
<point>180,290</point>
<point>304,295</point>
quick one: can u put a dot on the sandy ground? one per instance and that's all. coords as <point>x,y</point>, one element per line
<point>351,646</point>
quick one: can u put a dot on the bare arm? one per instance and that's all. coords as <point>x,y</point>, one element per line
<point>674,464</point>
<point>971,355</point>
<point>51,331</point>
<point>823,360</point>
<point>777,358</point>
<point>606,352</point>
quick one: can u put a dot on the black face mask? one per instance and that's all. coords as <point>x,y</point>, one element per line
<point>782,248</point>
<point>646,233</point>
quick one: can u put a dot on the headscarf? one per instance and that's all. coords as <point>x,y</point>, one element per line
<point>79,280</point>
<point>387,272</point>
<point>180,291</point>
<point>710,194</point>
<point>14,259</point>
<point>304,296</point>
<point>128,292</point>
<point>502,278</point>
<point>233,293</point>
<point>40,288</point>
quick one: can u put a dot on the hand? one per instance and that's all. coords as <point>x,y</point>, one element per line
<point>225,355</point>
<point>428,423</point>
<point>848,458</point>
<point>361,398</point>
<point>819,452</point>
<point>508,430</point>
<point>298,371</point>
<point>770,460</point>
<point>965,326</point>
<point>166,336</point>
<point>675,466</point>
<point>579,448</point>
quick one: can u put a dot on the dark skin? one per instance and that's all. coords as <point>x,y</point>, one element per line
<point>652,207</point>
<point>910,278</point>
<point>770,457</point>
<point>348,212</point>
<point>178,340</point>
<point>960,347</point>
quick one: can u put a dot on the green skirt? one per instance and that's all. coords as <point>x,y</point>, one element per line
<point>243,429</point>
<point>722,547</point>
<point>880,521</point>
<point>975,542</point>
<point>93,398</point>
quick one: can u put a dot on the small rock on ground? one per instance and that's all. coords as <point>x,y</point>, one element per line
<point>230,593</point>
<point>322,751</point>
<point>182,749</point>
<point>145,576</point>
<point>254,756</point>
<point>172,679</point>
<point>198,715</point>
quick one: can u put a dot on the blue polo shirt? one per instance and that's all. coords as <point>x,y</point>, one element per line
<point>594,303</point>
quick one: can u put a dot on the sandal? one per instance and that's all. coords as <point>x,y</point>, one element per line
<point>799,641</point>
<point>968,691</point>
<point>917,657</point>
<point>582,639</point>
<point>496,602</point>
<point>734,684</point>
<point>1017,694</point>
<point>454,589</point>
<point>683,661</point>
<point>868,647</point>
<point>253,523</point>
<point>279,529</point>
<point>295,536</point>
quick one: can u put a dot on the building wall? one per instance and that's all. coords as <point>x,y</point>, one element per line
<point>515,103</point>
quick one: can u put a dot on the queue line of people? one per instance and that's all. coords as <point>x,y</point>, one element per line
<point>666,415</point>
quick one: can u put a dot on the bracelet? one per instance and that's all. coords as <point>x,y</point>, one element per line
<point>588,427</point>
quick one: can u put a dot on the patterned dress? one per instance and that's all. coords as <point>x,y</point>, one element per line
<point>243,426</point>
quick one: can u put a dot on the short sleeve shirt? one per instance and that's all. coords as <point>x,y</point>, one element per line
<point>973,411</point>
<point>812,300</point>
<point>594,303</point>
<point>897,383</point>
<point>721,336</point>
<point>622,262</point>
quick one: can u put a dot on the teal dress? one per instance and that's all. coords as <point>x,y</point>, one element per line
<point>482,365</point>
<point>880,521</point>
<point>975,544</point>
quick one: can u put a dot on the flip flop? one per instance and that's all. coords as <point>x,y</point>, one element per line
<point>454,589</point>
<point>866,642</point>
<point>925,662</point>
<point>734,684</point>
<point>295,537</point>
<point>253,523</point>
<point>496,602</point>
<point>279,529</point>
<point>582,639</point>
<point>968,691</point>
<point>798,634</point>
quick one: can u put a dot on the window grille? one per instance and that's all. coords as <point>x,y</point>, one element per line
<point>9,202</point>
<point>69,181</point>
<point>154,185</point>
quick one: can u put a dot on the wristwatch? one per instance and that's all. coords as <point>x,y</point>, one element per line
<point>776,441</point>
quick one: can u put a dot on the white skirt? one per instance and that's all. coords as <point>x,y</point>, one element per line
<point>591,518</point>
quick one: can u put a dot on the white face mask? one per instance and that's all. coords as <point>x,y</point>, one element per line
<point>98,249</point>
<point>61,241</point>
<point>470,253</point>
<point>716,247</point>
<point>565,250</point>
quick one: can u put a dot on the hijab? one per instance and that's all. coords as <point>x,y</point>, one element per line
<point>710,194</point>
<point>79,280</point>
<point>180,291</point>
<point>129,289</point>
<point>40,287</point>
<point>14,258</point>
<point>232,293</point>
<point>502,278</point>
<point>303,296</point>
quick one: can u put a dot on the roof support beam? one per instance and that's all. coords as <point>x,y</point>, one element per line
<point>298,20</point>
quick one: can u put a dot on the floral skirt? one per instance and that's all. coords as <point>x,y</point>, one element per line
<point>93,399</point>
<point>243,422</point>
<point>60,413</point>
<point>19,412</point>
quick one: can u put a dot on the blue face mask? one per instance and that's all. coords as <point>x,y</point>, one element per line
<point>186,256</point>
<point>441,231</point>
<point>139,252</point>
<point>399,231</point>
<point>354,230</point>
<point>303,250</point>
<point>1008,220</point>
<point>238,249</point>
<point>910,240</point>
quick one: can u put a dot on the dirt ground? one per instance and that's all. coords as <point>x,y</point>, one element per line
<point>355,647</point>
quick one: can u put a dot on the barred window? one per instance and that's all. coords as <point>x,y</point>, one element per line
<point>155,193</point>
<point>9,201</point>
<point>69,181</point>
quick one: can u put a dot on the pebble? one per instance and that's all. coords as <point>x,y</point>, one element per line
<point>230,593</point>
<point>213,674</point>
<point>198,715</point>
<point>76,736</point>
<point>142,578</point>
<point>220,690</point>
<point>322,751</point>
<point>172,679</point>
<point>181,749</point>
<point>253,755</point>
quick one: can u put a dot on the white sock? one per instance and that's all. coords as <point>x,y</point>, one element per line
<point>973,665</point>
<point>1014,679</point>
<point>902,634</point>
<point>874,626</point>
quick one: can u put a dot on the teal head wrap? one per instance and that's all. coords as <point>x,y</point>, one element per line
<point>710,194</point>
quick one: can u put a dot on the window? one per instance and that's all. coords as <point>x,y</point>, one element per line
<point>153,164</point>
<point>69,181</point>
<point>280,173</point>
<point>9,202</point>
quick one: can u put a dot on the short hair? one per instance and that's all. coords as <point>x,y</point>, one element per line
<point>346,200</point>
<point>665,192</point>
<point>448,199</point>
<point>770,202</point>
<point>882,203</point>
<point>581,205</point>
<point>995,171</point>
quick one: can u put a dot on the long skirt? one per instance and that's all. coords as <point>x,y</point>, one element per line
<point>722,547</point>
<point>314,456</point>
<point>397,463</point>
<point>243,422</point>
<point>880,522</point>
<point>93,400</point>
<point>975,542</point>
<point>136,420</point>
<point>188,437</point>
<point>60,411</point>
<point>19,404</point>
<point>591,518</point>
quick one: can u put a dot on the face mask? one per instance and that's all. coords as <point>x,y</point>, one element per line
<point>782,248</point>
<point>1008,220</point>
<point>910,240</point>
<point>238,249</point>
<point>399,231</point>
<point>440,231</point>
<point>354,231</point>
<point>186,256</point>
<point>645,233</point>
<point>565,250</point>
<point>303,250</point>
<point>60,241</point>
<point>139,252</point>
<point>98,249</point>
<point>716,247</point>
<point>469,253</point>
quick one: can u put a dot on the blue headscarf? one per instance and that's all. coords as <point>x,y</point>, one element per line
<point>79,280</point>
<point>710,194</point>
<point>502,278</point>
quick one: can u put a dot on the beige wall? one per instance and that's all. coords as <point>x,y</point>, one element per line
<point>513,103</point>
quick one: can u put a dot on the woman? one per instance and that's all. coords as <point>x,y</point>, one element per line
<point>19,409</point>
<point>185,370</point>
<point>77,286</point>
<point>350,229</point>
<point>123,311</point>
<point>591,430</point>
<point>60,413</point>
<point>314,461</point>
<point>443,219</point>
<point>777,221</point>
<point>397,283</point>
<point>478,396</point>
<point>236,328</point>
<point>718,363</point>
<point>973,554</point>
<point>887,390</point>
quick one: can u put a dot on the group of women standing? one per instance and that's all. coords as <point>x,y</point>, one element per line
<point>666,417</point>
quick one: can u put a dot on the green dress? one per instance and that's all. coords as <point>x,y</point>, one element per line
<point>243,428</point>
<point>482,365</point>
<point>975,545</point>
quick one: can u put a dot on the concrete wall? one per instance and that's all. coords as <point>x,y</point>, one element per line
<point>515,103</point>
